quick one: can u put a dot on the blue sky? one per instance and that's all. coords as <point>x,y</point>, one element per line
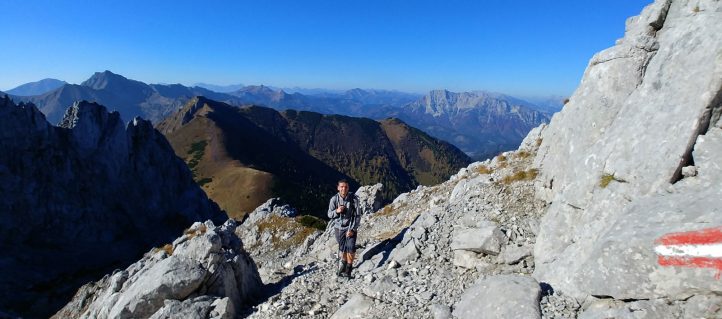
<point>516,47</point>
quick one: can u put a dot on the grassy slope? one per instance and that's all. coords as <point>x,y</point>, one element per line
<point>253,153</point>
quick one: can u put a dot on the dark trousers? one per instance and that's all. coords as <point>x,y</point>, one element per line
<point>345,244</point>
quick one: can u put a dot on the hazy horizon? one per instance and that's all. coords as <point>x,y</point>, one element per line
<point>516,48</point>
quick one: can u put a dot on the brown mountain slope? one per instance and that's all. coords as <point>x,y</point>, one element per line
<point>240,165</point>
<point>430,161</point>
<point>243,156</point>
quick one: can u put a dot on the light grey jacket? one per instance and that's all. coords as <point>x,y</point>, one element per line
<point>349,218</point>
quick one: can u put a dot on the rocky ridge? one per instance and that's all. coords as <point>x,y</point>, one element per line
<point>82,199</point>
<point>205,273</point>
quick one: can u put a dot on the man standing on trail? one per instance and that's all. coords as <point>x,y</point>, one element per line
<point>344,211</point>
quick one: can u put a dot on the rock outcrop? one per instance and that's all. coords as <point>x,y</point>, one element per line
<point>205,273</point>
<point>79,200</point>
<point>633,159</point>
<point>370,198</point>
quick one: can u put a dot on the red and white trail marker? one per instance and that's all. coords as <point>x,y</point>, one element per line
<point>699,248</point>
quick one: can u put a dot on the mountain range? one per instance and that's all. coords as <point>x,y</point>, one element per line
<point>482,124</point>
<point>243,156</point>
<point>479,123</point>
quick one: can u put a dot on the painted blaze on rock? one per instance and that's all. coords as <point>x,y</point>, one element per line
<point>699,248</point>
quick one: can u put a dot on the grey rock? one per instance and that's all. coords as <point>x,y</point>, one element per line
<point>409,252</point>
<point>440,311</point>
<point>171,278</point>
<point>513,254</point>
<point>533,139</point>
<point>223,308</point>
<point>660,85</point>
<point>209,272</point>
<point>356,307</point>
<point>194,308</point>
<point>466,259</point>
<point>703,306</point>
<point>370,198</point>
<point>689,171</point>
<point>610,308</point>
<point>503,296</point>
<point>486,239</point>
<point>427,219</point>
<point>273,206</point>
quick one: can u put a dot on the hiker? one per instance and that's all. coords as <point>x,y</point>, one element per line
<point>344,211</point>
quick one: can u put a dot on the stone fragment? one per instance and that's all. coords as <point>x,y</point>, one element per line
<point>487,239</point>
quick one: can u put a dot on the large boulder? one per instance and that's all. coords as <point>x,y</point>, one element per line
<point>205,271</point>
<point>611,161</point>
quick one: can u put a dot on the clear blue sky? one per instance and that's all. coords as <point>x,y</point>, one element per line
<point>516,47</point>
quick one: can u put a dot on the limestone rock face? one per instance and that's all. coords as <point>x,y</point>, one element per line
<point>611,162</point>
<point>205,273</point>
<point>78,200</point>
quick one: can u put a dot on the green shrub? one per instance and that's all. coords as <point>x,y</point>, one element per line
<point>313,222</point>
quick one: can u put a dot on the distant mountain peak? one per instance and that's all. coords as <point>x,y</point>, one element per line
<point>37,88</point>
<point>108,79</point>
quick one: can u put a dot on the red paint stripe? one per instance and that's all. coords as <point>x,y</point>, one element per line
<point>699,237</point>
<point>696,262</point>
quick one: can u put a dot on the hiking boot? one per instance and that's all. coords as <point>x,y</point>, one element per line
<point>348,271</point>
<point>343,269</point>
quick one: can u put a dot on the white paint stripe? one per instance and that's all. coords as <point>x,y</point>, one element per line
<point>711,250</point>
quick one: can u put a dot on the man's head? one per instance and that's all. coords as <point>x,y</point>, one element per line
<point>342,187</point>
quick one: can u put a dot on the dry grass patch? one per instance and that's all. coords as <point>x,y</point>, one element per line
<point>608,178</point>
<point>527,175</point>
<point>190,233</point>
<point>483,169</point>
<point>522,154</point>
<point>388,210</point>
<point>167,248</point>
